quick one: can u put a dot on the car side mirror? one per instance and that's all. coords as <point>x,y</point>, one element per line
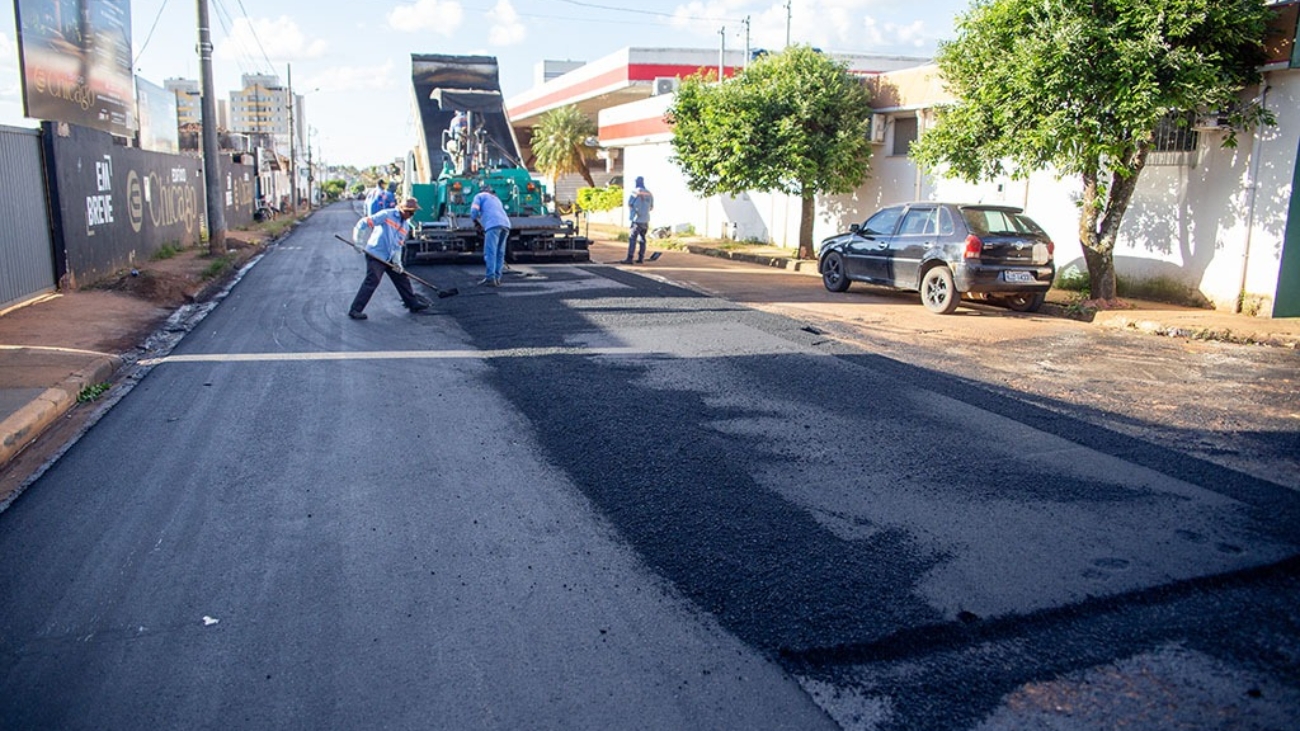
<point>855,228</point>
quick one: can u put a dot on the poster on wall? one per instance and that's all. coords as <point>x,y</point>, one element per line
<point>76,62</point>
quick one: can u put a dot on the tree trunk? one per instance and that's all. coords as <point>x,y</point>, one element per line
<point>585,172</point>
<point>1099,222</point>
<point>1101,272</point>
<point>807,212</point>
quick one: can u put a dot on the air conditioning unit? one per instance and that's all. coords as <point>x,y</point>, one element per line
<point>1210,122</point>
<point>878,129</point>
<point>665,85</point>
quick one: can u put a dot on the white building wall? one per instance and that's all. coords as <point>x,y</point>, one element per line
<point>674,203</point>
<point>1279,155</point>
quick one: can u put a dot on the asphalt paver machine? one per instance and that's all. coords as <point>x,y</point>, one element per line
<point>466,143</point>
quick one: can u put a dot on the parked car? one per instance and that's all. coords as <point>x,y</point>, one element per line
<point>944,251</point>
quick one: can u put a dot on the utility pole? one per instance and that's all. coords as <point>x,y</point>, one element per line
<point>293,159</point>
<point>311,171</point>
<point>211,158</point>
<point>789,14</point>
<point>745,62</point>
<point>722,52</point>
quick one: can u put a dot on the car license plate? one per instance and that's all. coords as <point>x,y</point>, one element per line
<point>1018,277</point>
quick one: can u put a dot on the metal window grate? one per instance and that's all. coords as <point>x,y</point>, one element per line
<point>1175,141</point>
<point>1174,133</point>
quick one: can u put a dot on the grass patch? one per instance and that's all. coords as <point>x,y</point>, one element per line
<point>276,226</point>
<point>167,251</point>
<point>1080,308</point>
<point>1072,279</point>
<point>219,266</point>
<point>90,393</point>
<point>1157,289</point>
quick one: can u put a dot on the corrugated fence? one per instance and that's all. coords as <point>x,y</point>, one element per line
<point>26,252</point>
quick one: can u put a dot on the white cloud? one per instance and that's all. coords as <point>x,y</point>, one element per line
<point>893,34</point>
<point>354,78</point>
<point>277,40</point>
<point>440,16</point>
<point>831,24</point>
<point>507,29</point>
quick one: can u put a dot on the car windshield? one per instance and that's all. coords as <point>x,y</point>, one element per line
<point>999,221</point>
<point>882,223</point>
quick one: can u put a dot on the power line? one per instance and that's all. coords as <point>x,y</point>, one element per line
<point>152,28</point>
<point>244,57</point>
<point>253,30</point>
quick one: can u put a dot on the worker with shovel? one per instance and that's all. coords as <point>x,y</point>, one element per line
<point>384,234</point>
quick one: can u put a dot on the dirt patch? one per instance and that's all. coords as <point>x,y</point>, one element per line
<point>190,275</point>
<point>119,313</point>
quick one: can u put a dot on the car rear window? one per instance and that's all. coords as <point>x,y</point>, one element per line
<point>995,221</point>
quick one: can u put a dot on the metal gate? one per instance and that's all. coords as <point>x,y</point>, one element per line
<point>26,254</point>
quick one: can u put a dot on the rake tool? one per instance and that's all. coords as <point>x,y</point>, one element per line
<point>442,293</point>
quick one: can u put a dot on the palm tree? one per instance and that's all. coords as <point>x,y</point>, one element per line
<point>560,143</point>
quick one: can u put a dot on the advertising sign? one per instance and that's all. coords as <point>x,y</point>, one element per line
<point>158,130</point>
<point>116,205</point>
<point>76,62</point>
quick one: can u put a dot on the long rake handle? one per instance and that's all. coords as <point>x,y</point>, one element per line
<point>388,264</point>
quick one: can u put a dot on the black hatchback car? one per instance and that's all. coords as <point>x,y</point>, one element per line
<point>945,250</point>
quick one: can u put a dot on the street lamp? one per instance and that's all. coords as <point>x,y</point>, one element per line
<point>293,156</point>
<point>311,170</point>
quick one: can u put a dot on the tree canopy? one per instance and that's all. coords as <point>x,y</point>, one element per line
<point>795,122</point>
<point>560,143</point>
<point>1079,86</point>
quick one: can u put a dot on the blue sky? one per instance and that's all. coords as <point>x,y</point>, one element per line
<point>352,59</point>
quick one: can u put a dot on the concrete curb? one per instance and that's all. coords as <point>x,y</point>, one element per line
<point>30,421</point>
<point>1245,336</point>
<point>802,266</point>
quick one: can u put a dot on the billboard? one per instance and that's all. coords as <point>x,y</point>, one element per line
<point>76,62</point>
<point>158,130</point>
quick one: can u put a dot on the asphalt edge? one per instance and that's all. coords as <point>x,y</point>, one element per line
<point>31,421</point>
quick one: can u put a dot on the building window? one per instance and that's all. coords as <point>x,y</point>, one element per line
<point>1174,133</point>
<point>904,135</point>
<point>1175,142</point>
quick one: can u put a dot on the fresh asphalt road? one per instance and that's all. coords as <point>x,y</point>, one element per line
<point>594,500</point>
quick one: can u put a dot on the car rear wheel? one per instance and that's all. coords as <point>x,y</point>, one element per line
<point>1024,301</point>
<point>833,275</point>
<point>938,292</point>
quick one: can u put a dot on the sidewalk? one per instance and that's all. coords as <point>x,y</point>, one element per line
<point>55,348</point>
<point>1155,318</point>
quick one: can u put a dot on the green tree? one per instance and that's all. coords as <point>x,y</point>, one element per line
<point>1080,86</point>
<point>560,143</point>
<point>333,189</point>
<point>795,122</point>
